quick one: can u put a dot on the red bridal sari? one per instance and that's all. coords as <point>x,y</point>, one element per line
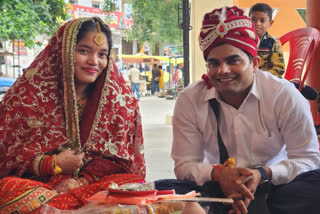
<point>39,116</point>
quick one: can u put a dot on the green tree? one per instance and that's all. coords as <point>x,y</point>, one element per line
<point>110,5</point>
<point>154,21</point>
<point>302,13</point>
<point>26,19</point>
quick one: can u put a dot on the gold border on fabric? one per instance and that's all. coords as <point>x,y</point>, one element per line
<point>17,198</point>
<point>65,80</point>
<point>28,201</point>
<point>70,101</point>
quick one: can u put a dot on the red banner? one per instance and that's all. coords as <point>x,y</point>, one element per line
<point>113,19</point>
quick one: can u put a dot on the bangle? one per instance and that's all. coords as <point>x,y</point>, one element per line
<point>40,165</point>
<point>48,165</point>
<point>56,169</point>
<point>36,162</point>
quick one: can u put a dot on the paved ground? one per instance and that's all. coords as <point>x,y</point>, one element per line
<point>157,136</point>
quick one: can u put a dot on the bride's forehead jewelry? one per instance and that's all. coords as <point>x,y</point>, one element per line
<point>99,38</point>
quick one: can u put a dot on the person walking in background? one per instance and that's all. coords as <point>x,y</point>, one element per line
<point>269,49</point>
<point>134,77</point>
<point>161,79</point>
<point>155,79</point>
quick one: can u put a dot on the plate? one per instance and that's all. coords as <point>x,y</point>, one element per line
<point>125,192</point>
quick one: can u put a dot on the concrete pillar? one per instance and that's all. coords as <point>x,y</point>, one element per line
<point>134,47</point>
<point>313,20</point>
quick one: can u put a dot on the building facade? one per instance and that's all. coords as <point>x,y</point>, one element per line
<point>118,21</point>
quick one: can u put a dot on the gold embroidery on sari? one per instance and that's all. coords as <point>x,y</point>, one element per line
<point>29,74</point>
<point>33,122</point>
<point>113,148</point>
<point>121,99</point>
<point>140,148</point>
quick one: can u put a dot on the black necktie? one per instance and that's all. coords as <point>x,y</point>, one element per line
<point>222,148</point>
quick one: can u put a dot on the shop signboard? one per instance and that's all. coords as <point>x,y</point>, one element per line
<point>114,19</point>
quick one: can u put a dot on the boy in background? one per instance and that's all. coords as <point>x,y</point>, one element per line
<point>269,48</point>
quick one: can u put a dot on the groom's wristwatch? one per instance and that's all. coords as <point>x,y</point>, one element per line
<point>264,175</point>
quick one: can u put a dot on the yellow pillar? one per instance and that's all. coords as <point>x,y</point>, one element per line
<point>198,9</point>
<point>313,20</point>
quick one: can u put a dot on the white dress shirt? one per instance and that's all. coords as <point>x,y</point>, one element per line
<point>273,127</point>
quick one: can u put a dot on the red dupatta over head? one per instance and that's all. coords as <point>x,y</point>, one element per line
<point>38,114</point>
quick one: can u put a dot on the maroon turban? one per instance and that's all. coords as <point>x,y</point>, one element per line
<point>228,25</point>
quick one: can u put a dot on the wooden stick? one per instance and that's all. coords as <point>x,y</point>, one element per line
<point>201,199</point>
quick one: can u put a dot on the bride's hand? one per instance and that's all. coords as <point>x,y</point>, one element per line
<point>66,185</point>
<point>68,161</point>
